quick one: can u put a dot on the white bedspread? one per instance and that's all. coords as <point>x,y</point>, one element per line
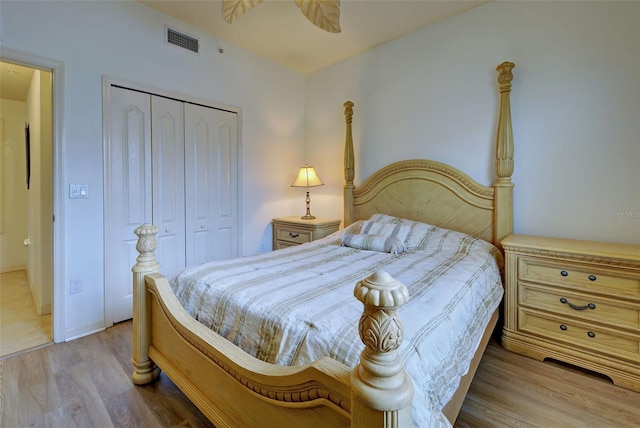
<point>296,305</point>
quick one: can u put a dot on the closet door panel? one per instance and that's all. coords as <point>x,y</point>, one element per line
<point>127,194</point>
<point>167,154</point>
<point>227,180</point>
<point>211,184</point>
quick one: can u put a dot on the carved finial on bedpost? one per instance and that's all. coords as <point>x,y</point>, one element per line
<point>382,392</point>
<point>349,166</point>
<point>144,369</point>
<point>504,157</point>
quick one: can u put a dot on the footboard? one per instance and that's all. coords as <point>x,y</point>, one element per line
<point>233,388</point>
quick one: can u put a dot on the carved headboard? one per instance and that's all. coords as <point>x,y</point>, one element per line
<point>436,193</point>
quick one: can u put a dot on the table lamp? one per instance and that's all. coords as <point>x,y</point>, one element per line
<point>307,177</point>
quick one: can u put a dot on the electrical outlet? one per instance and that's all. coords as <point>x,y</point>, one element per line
<point>75,286</point>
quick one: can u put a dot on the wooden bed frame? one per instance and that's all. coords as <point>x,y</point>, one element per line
<point>234,389</point>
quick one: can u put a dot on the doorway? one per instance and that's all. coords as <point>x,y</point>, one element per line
<point>26,207</point>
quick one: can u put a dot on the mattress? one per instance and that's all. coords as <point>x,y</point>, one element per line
<point>296,305</point>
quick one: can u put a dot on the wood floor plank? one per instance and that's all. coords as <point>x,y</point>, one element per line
<point>21,328</point>
<point>86,383</point>
<point>547,394</point>
<point>82,405</point>
<point>129,410</point>
<point>106,372</point>
<point>9,393</point>
<point>170,405</point>
<point>37,391</point>
<point>577,400</point>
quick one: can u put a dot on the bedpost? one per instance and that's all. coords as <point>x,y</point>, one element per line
<point>504,158</point>
<point>144,369</point>
<point>381,391</point>
<point>349,167</point>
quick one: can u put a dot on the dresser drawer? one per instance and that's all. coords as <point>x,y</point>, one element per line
<point>584,306</point>
<point>574,301</point>
<point>574,275</point>
<point>577,334</point>
<point>291,234</point>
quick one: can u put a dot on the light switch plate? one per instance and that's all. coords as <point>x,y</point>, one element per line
<point>78,191</point>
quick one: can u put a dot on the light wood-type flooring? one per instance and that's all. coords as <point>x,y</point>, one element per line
<point>21,327</point>
<point>85,383</point>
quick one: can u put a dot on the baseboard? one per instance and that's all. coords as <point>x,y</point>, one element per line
<point>17,268</point>
<point>44,309</point>
<point>78,332</point>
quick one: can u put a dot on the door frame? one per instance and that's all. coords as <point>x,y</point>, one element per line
<point>57,122</point>
<point>107,83</point>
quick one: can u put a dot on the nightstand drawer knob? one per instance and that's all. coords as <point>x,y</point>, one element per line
<point>591,334</point>
<point>592,278</point>
<point>294,235</point>
<point>564,273</point>
<point>576,307</point>
<point>563,327</point>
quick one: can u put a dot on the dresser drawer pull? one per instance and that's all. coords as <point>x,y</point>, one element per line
<point>564,273</point>
<point>563,327</point>
<point>294,235</point>
<point>592,277</point>
<point>576,307</point>
<point>591,334</point>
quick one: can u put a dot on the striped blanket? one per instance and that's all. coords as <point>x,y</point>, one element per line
<point>296,305</point>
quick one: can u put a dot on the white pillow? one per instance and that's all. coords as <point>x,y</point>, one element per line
<point>418,231</point>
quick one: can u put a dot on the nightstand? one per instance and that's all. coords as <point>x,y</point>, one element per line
<point>289,231</point>
<point>574,301</point>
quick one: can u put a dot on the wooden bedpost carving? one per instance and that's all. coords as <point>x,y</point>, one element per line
<point>144,369</point>
<point>349,166</point>
<point>381,391</point>
<point>504,157</point>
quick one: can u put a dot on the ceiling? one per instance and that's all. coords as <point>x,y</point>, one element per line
<point>14,81</point>
<point>277,30</point>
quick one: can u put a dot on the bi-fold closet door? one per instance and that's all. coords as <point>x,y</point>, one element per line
<point>173,164</point>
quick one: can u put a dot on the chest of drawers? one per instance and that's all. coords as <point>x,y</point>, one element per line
<point>289,231</point>
<point>574,301</point>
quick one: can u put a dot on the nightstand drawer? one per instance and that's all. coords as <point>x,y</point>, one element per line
<point>290,231</point>
<point>584,306</point>
<point>296,236</point>
<point>573,275</point>
<point>574,333</point>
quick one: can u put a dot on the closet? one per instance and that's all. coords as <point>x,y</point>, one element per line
<point>174,164</point>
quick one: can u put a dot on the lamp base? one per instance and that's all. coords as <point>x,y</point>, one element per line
<point>308,215</point>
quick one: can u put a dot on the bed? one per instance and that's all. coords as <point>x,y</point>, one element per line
<point>374,386</point>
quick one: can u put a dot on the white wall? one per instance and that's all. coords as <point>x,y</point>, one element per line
<point>124,40</point>
<point>433,94</point>
<point>13,253</point>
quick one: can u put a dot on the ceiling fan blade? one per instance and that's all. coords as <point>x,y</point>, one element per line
<point>231,9</point>
<point>324,14</point>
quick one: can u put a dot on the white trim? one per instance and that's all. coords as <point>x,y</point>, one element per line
<point>58,268</point>
<point>77,333</point>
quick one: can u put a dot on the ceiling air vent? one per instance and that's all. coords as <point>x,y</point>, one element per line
<point>182,40</point>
